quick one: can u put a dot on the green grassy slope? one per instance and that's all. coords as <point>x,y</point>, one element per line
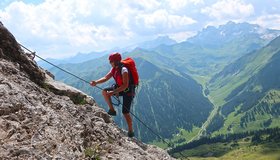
<point>237,73</point>
<point>260,144</point>
<point>241,150</point>
<point>247,97</point>
<point>248,91</point>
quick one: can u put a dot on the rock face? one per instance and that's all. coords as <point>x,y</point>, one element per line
<point>43,119</point>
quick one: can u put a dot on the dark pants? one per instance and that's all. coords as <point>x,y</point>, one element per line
<point>127,95</point>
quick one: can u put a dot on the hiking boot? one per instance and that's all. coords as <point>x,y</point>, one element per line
<point>112,113</point>
<point>130,134</point>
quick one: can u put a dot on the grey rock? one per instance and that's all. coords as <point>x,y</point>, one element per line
<point>77,96</point>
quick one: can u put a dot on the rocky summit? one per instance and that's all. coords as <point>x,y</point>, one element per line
<point>41,118</point>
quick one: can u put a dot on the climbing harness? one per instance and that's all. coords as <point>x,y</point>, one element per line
<point>118,101</point>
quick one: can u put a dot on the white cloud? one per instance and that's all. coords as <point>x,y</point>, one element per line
<point>229,9</point>
<point>60,28</point>
<point>162,21</point>
<point>269,21</point>
<point>82,26</point>
<point>146,5</point>
<point>179,4</point>
<point>181,36</point>
<point>56,23</point>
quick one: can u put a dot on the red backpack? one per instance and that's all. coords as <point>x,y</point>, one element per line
<point>129,63</point>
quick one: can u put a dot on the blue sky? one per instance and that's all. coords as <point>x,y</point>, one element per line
<point>5,3</point>
<point>62,28</point>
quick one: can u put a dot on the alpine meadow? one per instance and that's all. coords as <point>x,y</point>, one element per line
<point>219,89</point>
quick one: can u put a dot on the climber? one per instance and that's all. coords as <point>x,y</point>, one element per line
<point>123,87</point>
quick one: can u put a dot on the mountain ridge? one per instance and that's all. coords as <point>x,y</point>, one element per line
<point>223,34</point>
<point>83,57</point>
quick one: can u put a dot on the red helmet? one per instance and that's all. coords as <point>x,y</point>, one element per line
<point>115,57</point>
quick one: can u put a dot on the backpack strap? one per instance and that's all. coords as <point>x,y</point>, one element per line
<point>121,65</point>
<point>130,91</point>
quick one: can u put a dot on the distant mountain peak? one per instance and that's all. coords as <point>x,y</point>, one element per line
<point>217,36</point>
<point>161,40</point>
<point>165,39</point>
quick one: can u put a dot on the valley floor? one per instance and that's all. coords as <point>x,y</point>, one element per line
<point>240,150</point>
